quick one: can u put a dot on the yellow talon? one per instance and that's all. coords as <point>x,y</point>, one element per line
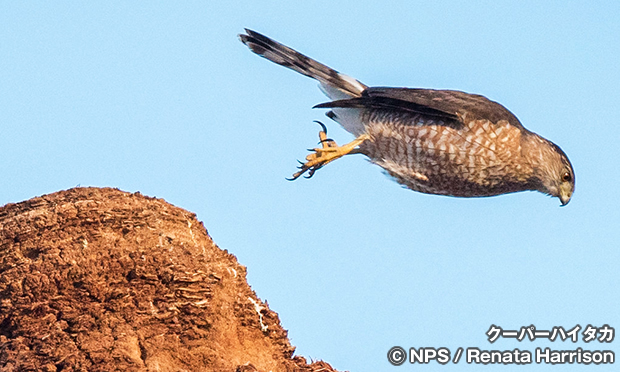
<point>329,152</point>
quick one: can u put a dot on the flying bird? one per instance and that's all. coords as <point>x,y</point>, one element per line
<point>443,142</point>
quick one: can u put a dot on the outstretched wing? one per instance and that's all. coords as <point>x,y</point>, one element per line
<point>440,104</point>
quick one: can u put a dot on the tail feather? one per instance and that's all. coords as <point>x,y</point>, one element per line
<point>334,84</point>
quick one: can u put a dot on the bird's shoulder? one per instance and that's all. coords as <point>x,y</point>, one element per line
<point>450,105</point>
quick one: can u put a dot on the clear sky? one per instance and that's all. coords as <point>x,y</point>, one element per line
<point>161,98</point>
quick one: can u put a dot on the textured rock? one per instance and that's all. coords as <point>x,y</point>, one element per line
<point>102,280</point>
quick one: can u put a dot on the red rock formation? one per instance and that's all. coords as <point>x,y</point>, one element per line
<point>102,280</point>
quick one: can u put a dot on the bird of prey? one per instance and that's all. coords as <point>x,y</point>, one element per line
<point>443,142</point>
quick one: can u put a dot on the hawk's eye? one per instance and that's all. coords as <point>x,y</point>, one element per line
<point>566,177</point>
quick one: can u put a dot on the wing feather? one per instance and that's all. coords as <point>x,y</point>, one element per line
<point>440,104</point>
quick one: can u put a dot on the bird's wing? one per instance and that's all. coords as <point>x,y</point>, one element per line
<point>439,104</point>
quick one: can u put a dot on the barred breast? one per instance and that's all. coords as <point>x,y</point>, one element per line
<point>471,158</point>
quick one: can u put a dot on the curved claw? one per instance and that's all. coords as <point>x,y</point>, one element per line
<point>322,126</point>
<point>328,152</point>
<point>295,176</point>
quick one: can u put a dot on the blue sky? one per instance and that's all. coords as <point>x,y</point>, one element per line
<point>163,99</point>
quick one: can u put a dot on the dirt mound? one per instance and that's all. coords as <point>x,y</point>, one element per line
<point>102,280</point>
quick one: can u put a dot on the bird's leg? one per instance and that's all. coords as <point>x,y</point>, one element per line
<point>329,152</point>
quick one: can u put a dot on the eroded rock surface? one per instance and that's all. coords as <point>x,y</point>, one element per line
<point>103,280</point>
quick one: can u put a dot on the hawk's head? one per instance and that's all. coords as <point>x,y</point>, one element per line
<point>553,173</point>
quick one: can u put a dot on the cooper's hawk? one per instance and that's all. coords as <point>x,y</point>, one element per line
<point>433,141</point>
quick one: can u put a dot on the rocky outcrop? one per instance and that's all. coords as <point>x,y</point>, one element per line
<point>103,280</point>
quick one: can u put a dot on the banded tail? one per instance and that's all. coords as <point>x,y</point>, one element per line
<point>334,84</point>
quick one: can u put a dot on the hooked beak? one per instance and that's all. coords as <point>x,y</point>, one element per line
<point>564,199</point>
